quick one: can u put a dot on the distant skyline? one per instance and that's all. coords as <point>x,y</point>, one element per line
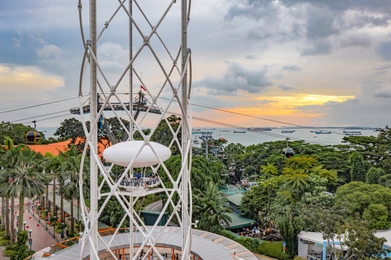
<point>308,62</point>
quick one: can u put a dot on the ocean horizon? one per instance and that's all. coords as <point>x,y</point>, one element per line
<point>246,137</point>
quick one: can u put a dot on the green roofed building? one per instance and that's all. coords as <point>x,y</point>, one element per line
<point>238,221</point>
<point>234,201</point>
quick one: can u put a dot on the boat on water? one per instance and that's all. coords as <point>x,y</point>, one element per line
<point>259,129</point>
<point>287,131</point>
<point>352,132</point>
<point>224,130</point>
<point>322,132</point>
<point>239,131</point>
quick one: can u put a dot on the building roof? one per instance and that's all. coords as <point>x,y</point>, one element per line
<point>235,199</point>
<point>317,237</point>
<point>54,148</point>
<point>238,221</point>
<point>206,245</point>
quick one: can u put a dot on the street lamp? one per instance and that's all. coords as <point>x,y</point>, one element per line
<point>54,227</point>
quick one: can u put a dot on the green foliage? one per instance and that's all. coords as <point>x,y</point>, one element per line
<point>385,180</point>
<point>70,129</point>
<point>4,242</point>
<point>229,234</point>
<point>20,249</point>
<point>373,175</point>
<point>211,208</point>
<point>250,243</point>
<point>377,216</point>
<point>273,249</point>
<point>255,202</point>
<point>8,252</point>
<point>358,167</point>
<point>163,133</point>
<point>290,224</point>
<point>357,196</point>
<point>16,132</point>
<point>23,175</point>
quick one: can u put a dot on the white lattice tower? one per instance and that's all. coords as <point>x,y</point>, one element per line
<point>155,33</point>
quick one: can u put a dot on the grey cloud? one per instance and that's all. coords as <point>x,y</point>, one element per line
<point>237,78</point>
<point>310,109</point>
<point>318,48</point>
<point>286,87</point>
<point>254,9</point>
<point>278,76</point>
<point>383,93</point>
<point>385,67</point>
<point>320,24</point>
<point>265,102</point>
<point>373,5</point>
<point>252,57</point>
<point>291,68</point>
<point>356,40</point>
<point>384,50</point>
<point>315,20</point>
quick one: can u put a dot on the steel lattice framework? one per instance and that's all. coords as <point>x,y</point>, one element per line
<point>157,58</point>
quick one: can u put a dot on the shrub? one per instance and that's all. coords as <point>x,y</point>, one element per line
<point>228,234</point>
<point>4,242</point>
<point>8,253</point>
<point>249,243</point>
<point>9,247</point>
<point>273,249</point>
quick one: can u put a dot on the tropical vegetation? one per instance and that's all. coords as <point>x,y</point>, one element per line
<point>333,189</point>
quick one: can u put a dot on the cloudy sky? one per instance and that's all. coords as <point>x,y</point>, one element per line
<point>308,62</point>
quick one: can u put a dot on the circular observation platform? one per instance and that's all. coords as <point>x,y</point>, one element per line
<point>205,246</point>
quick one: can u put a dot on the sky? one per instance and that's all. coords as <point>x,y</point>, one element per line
<point>270,63</point>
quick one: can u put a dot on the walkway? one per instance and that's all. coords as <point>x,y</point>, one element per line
<point>41,238</point>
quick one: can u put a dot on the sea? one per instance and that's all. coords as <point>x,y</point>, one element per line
<point>246,137</point>
<point>329,136</point>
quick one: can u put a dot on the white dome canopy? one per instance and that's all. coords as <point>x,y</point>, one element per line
<point>123,153</point>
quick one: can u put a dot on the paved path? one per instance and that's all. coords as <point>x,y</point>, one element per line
<point>41,238</point>
<point>155,206</point>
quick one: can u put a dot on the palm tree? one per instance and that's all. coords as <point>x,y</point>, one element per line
<point>211,208</point>
<point>54,165</point>
<point>69,178</point>
<point>269,170</point>
<point>8,144</point>
<point>301,162</point>
<point>26,177</point>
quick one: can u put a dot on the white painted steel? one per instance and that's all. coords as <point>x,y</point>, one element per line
<point>139,153</point>
<point>147,46</point>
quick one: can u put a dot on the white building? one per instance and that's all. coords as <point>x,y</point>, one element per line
<point>311,245</point>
